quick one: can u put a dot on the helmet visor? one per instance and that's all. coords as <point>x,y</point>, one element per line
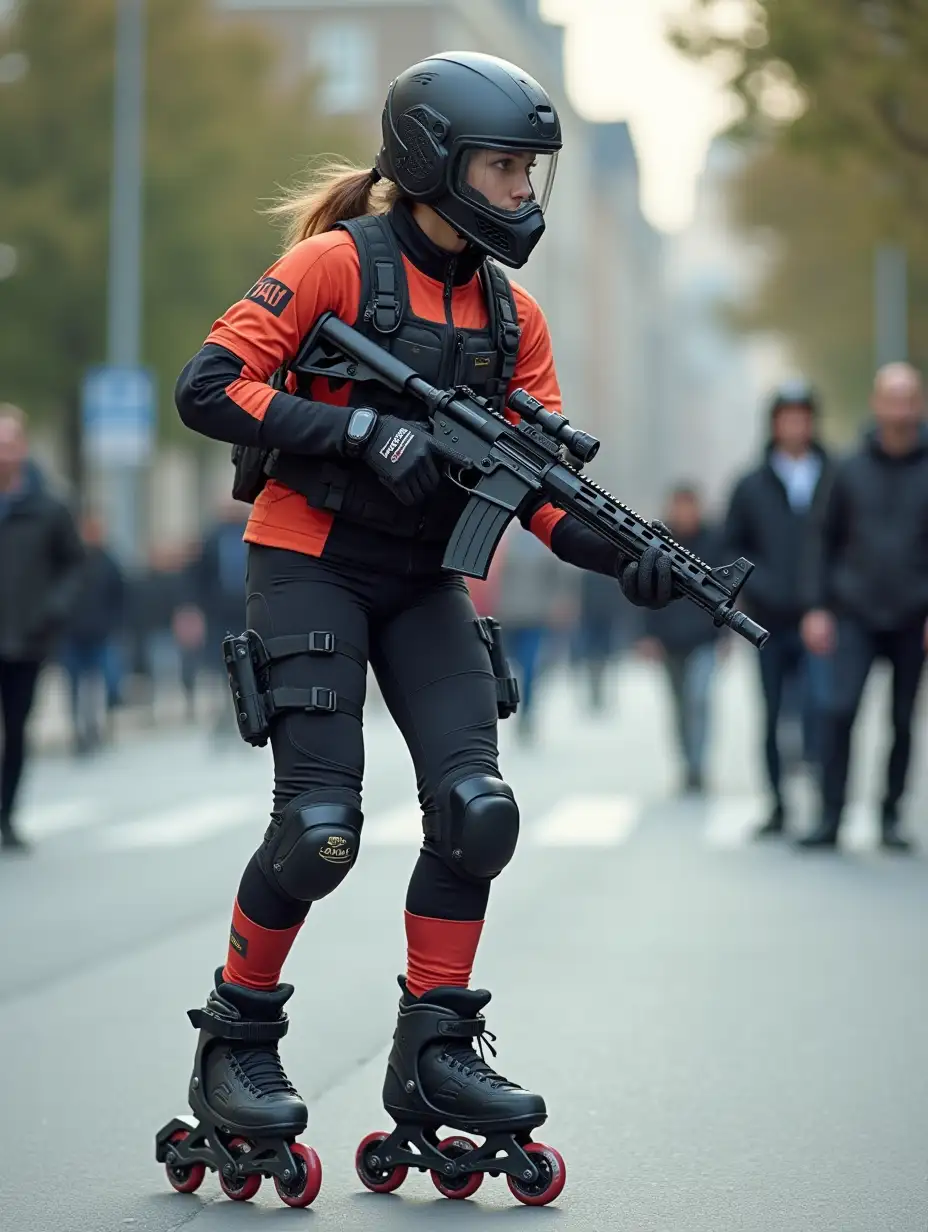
<point>506,181</point>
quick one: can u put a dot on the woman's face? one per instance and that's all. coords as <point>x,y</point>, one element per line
<point>502,176</point>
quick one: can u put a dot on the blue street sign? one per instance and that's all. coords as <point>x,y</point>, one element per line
<point>118,412</point>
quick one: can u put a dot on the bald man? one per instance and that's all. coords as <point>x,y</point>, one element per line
<point>40,570</point>
<point>868,591</point>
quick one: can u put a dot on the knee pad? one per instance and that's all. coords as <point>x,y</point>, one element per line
<point>309,849</point>
<point>477,826</point>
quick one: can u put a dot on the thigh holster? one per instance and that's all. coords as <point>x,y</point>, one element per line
<point>248,659</point>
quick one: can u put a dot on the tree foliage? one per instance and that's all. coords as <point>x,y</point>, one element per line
<point>834,113</point>
<point>223,130</point>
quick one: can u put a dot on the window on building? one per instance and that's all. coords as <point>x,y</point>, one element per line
<point>343,52</point>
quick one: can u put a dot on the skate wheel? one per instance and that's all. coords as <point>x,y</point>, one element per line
<point>552,1176</point>
<point>377,1180</point>
<point>305,1188</point>
<point>186,1178</point>
<point>457,1186</point>
<point>240,1188</point>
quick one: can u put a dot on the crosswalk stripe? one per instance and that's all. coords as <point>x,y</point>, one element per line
<point>45,820</point>
<point>733,820</point>
<point>586,821</point>
<point>186,824</point>
<point>397,827</point>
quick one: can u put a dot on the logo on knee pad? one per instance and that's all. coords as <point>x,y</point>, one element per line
<point>336,850</point>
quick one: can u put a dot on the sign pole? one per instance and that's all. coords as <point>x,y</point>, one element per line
<point>123,481</point>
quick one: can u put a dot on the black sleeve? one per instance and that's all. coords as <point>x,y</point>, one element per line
<point>824,541</point>
<point>291,424</point>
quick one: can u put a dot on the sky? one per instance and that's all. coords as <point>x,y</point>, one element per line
<point>619,66</point>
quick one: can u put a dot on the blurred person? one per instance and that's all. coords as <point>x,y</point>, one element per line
<point>217,588</point>
<point>598,635</point>
<point>868,591</point>
<point>685,641</point>
<point>345,543</point>
<point>40,565</point>
<point>768,521</point>
<point>533,603</point>
<point>90,651</point>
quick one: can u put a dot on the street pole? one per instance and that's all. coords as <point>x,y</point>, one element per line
<point>890,307</point>
<point>123,482</point>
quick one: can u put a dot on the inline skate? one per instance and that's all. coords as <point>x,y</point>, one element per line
<point>248,1114</point>
<point>434,1078</point>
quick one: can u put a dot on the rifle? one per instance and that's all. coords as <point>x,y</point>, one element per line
<point>502,464</point>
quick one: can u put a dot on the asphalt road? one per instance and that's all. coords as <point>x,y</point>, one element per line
<point>729,1035</point>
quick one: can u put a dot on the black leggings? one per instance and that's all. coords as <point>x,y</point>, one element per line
<point>17,692</point>
<point>434,672</point>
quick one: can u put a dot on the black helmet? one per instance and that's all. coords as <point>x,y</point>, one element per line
<point>440,114</point>
<point>793,393</point>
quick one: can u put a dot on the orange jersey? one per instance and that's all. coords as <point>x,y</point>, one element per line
<point>322,274</point>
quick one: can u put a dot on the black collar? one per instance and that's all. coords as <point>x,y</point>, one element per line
<point>426,256</point>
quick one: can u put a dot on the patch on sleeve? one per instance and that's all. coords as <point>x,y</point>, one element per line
<point>271,294</point>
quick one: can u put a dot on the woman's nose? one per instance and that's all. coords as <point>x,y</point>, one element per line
<point>523,191</point>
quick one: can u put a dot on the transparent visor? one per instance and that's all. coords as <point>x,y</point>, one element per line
<point>506,180</point>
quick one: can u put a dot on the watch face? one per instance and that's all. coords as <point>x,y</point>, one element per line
<point>360,424</point>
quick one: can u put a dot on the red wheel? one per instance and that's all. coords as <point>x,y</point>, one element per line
<point>464,1186</point>
<point>305,1188</point>
<point>240,1188</point>
<point>186,1178</point>
<point>377,1179</point>
<point>552,1175</point>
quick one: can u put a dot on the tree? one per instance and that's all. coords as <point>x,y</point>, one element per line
<point>847,75</point>
<point>834,115</point>
<point>222,132</point>
<point>819,226</point>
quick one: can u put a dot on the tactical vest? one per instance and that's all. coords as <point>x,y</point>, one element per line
<point>444,354</point>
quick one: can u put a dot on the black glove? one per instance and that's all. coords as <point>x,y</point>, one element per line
<point>403,457</point>
<point>648,582</point>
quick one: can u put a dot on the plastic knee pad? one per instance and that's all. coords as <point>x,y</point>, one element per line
<point>478,826</point>
<point>309,850</point>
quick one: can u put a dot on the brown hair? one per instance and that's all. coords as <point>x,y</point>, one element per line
<point>336,191</point>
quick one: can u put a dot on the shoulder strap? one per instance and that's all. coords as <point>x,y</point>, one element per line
<point>384,297</point>
<point>504,326</point>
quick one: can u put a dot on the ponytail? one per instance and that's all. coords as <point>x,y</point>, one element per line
<point>336,192</point>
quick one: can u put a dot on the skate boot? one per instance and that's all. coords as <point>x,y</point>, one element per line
<point>248,1112</point>
<point>436,1077</point>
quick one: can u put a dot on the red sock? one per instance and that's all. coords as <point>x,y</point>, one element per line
<point>256,954</point>
<point>439,952</point>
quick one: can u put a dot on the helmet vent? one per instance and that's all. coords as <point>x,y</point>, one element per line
<point>496,235</point>
<point>421,156</point>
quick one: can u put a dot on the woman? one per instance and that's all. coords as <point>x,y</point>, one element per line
<point>344,569</point>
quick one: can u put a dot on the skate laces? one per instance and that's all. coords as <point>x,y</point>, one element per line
<point>262,1070</point>
<point>463,1056</point>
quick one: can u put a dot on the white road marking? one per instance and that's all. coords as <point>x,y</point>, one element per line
<point>586,821</point>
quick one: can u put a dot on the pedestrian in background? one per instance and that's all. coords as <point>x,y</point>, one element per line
<point>684,639</point>
<point>534,602</point>
<point>768,521</point>
<point>91,652</point>
<point>868,595</point>
<point>40,566</point>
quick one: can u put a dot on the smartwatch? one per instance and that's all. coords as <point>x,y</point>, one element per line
<point>360,429</point>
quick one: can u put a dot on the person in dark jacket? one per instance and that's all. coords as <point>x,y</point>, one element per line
<point>868,590</point>
<point>90,650</point>
<point>768,521</point>
<point>684,639</point>
<point>40,561</point>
